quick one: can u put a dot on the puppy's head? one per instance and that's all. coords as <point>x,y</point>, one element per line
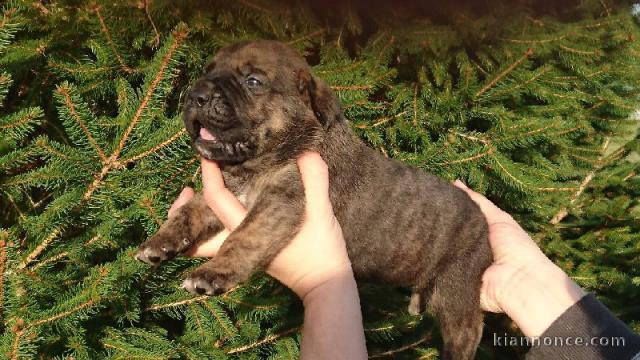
<point>255,97</point>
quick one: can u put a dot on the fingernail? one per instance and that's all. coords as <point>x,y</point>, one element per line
<point>460,184</point>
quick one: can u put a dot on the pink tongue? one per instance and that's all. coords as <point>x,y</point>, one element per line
<point>206,134</point>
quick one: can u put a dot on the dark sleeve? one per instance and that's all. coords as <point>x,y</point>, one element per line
<point>587,330</point>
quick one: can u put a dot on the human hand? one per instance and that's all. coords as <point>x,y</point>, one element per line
<point>315,255</point>
<point>514,252</point>
<point>522,281</point>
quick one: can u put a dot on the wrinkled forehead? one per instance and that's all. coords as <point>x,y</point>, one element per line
<point>269,57</point>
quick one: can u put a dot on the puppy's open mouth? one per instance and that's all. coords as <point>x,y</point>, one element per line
<point>213,145</point>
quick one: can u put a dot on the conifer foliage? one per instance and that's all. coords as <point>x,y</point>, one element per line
<point>526,104</point>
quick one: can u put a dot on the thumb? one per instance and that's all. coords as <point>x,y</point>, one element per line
<point>220,199</point>
<point>493,213</point>
<point>315,179</point>
<point>184,197</point>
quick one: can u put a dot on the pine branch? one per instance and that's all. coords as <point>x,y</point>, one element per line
<point>60,315</point>
<point>400,349</point>
<point>351,87</point>
<point>523,184</point>
<point>107,34</point>
<point>64,91</point>
<point>154,149</point>
<point>19,333</point>
<point>111,346</point>
<point>505,72</point>
<point>489,151</point>
<point>146,203</point>
<point>178,303</point>
<point>563,212</point>
<point>113,161</point>
<point>362,87</point>
<point>308,36</point>
<point>350,67</point>
<point>629,176</point>
<point>13,203</point>
<point>39,249</point>
<point>110,164</point>
<point>530,132</point>
<point>18,125</point>
<point>153,24</point>
<point>173,176</point>
<point>194,311</point>
<point>254,306</point>
<point>535,77</point>
<point>535,41</point>
<point>567,131</point>
<point>266,340</point>
<point>50,260</point>
<point>178,38</point>
<point>382,121</point>
<point>42,144</point>
<point>64,254</point>
<point>102,273</point>
<point>79,70</point>
<point>576,51</point>
<point>229,332</point>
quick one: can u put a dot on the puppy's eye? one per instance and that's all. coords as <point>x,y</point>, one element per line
<point>253,81</point>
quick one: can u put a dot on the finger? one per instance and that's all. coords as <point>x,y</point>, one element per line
<point>224,204</point>
<point>489,209</point>
<point>461,185</point>
<point>209,247</point>
<point>478,198</point>
<point>211,171</point>
<point>489,305</point>
<point>315,178</point>
<point>185,195</point>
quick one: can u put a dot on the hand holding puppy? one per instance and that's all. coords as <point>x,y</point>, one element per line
<point>522,282</point>
<point>315,255</point>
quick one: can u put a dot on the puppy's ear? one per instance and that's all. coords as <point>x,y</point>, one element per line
<point>322,100</point>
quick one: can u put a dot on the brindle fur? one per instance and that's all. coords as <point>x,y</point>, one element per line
<point>402,226</point>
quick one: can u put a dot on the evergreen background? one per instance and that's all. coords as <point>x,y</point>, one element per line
<point>529,103</point>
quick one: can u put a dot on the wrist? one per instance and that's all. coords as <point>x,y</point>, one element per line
<point>332,326</point>
<point>537,295</point>
<point>316,284</point>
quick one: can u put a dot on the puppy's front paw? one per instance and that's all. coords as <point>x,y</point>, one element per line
<point>163,246</point>
<point>211,279</point>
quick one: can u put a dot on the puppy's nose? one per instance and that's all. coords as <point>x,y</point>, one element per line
<point>201,98</point>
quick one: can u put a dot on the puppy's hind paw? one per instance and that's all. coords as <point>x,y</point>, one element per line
<point>207,280</point>
<point>200,286</point>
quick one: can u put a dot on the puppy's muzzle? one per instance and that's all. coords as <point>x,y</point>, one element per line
<point>216,104</point>
<point>211,107</point>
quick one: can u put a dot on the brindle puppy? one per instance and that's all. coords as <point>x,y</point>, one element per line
<point>254,111</point>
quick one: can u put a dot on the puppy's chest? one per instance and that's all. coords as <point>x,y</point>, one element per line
<point>246,192</point>
<point>249,188</point>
